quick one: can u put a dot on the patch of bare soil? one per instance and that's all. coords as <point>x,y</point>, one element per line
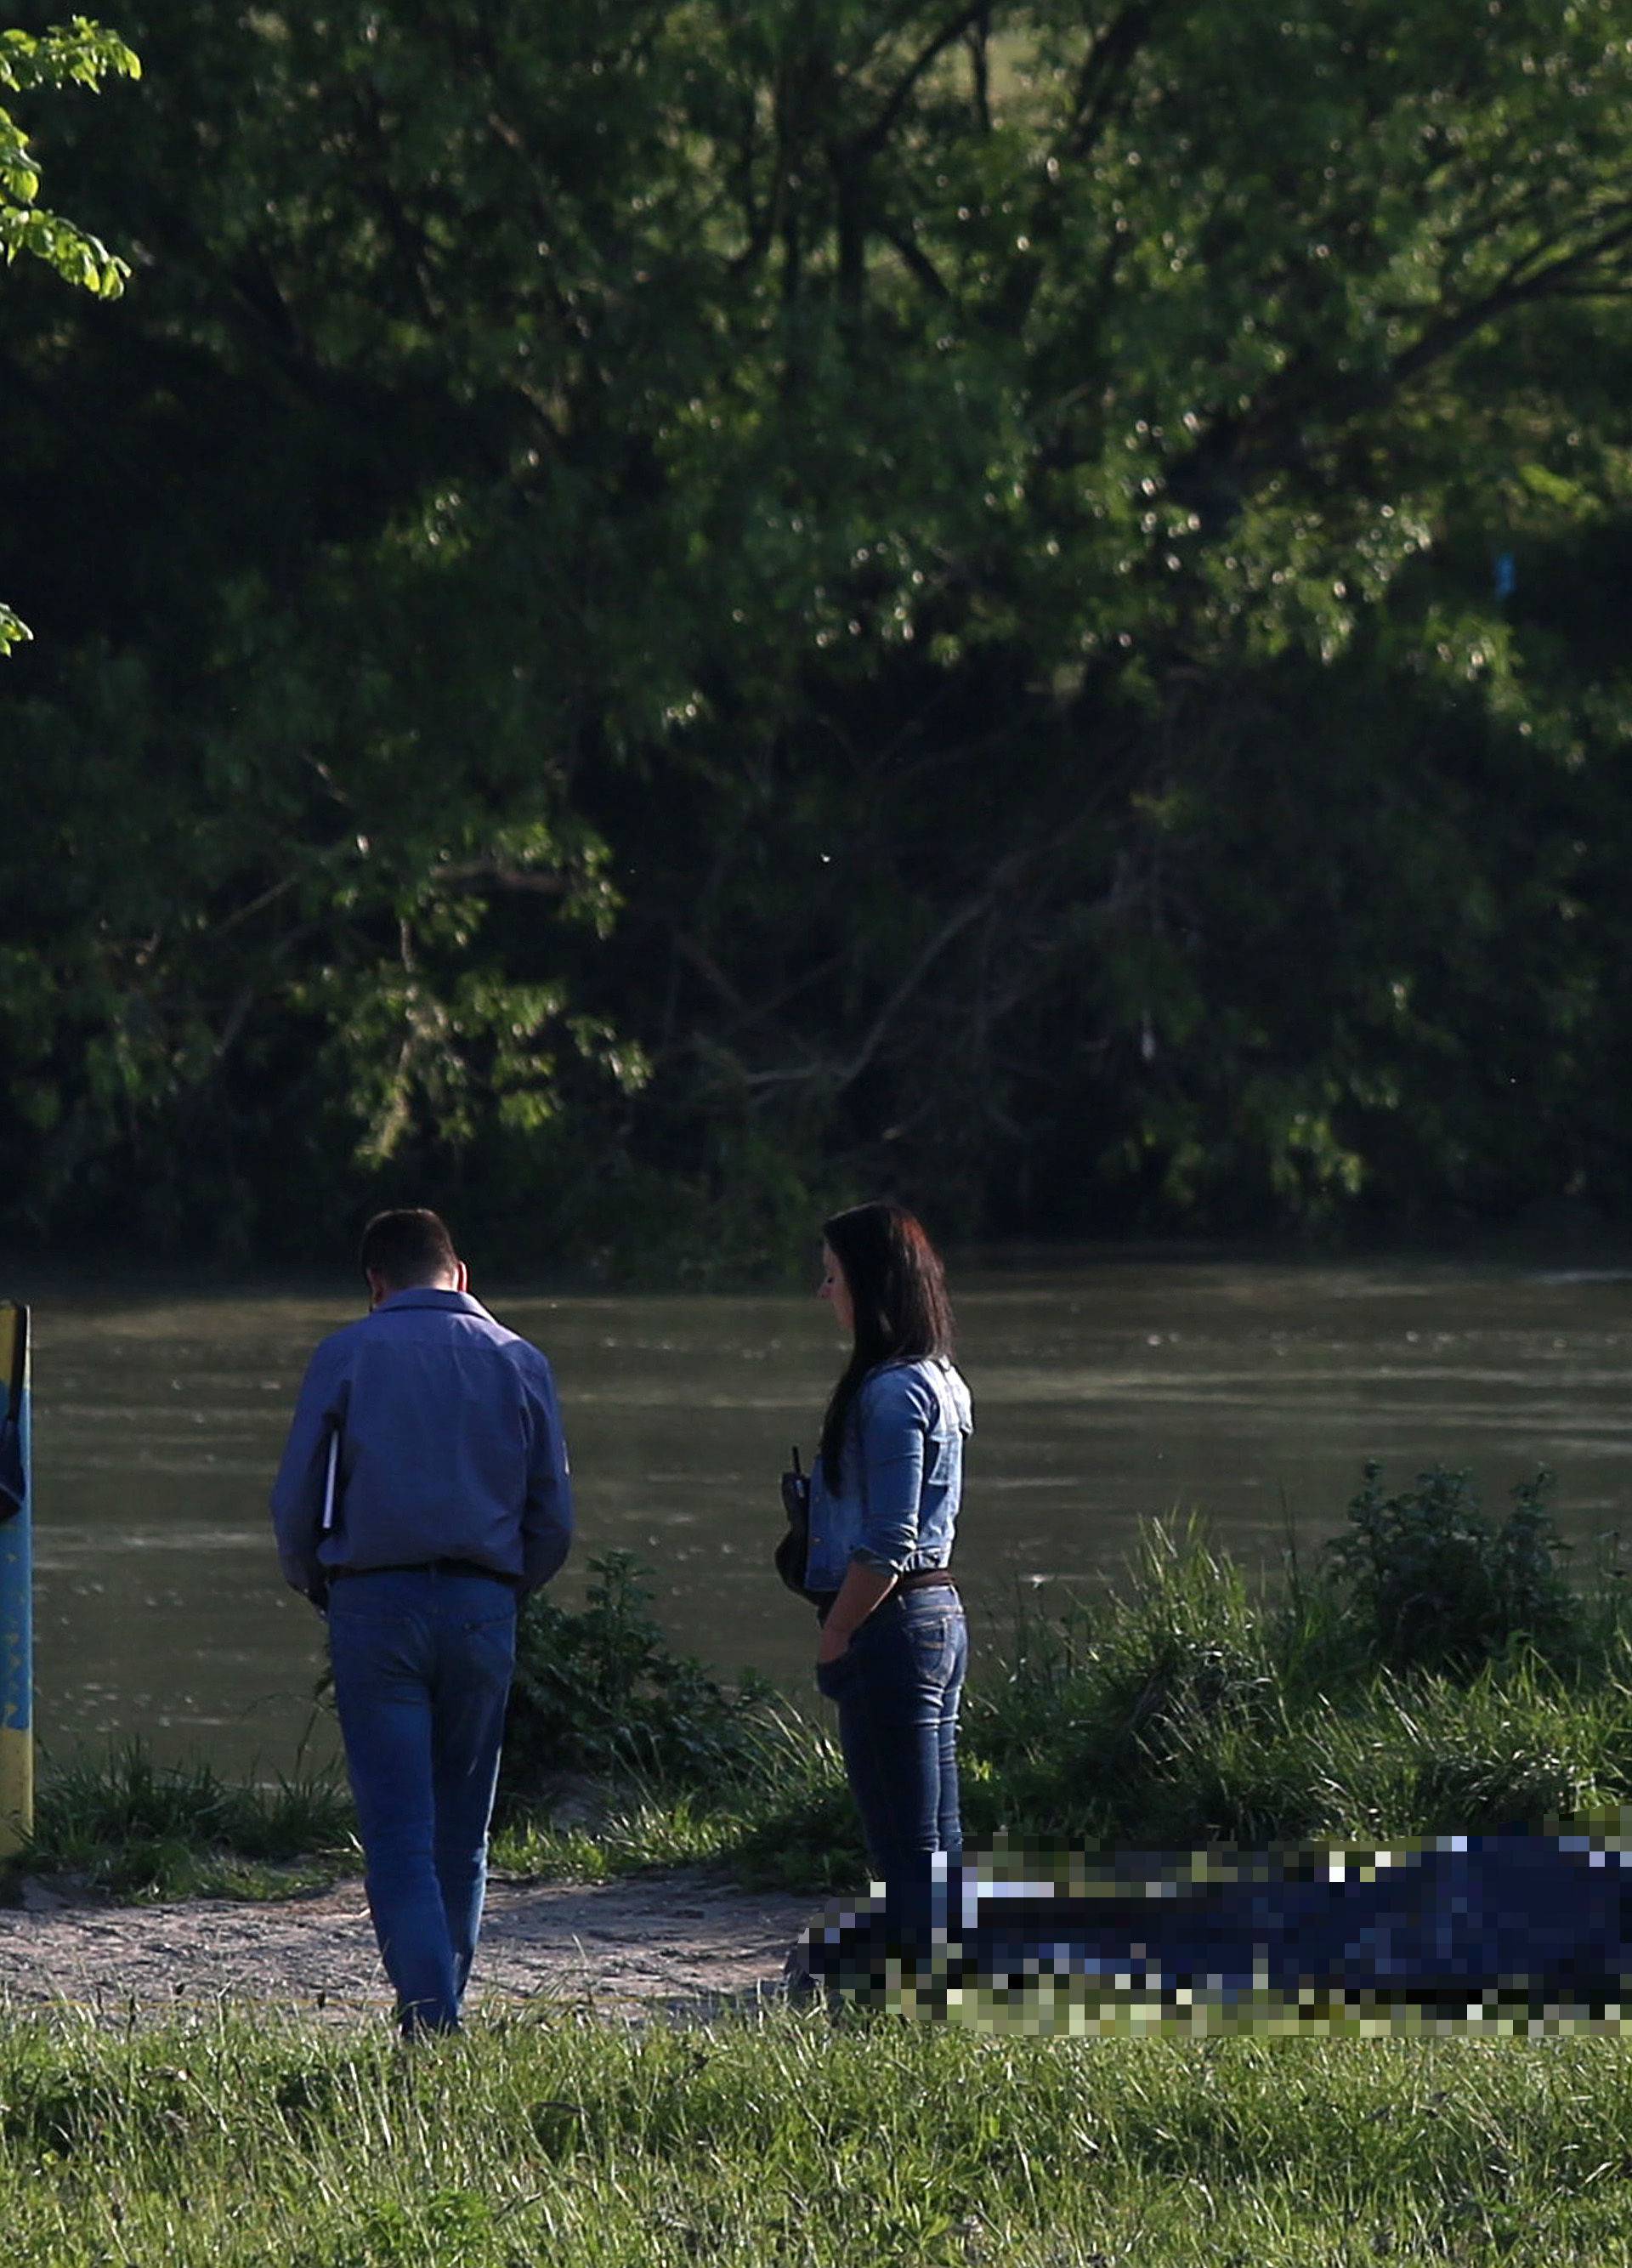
<point>681,1941</point>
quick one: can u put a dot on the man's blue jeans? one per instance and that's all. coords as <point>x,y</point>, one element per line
<point>898,1685</point>
<point>422,1661</point>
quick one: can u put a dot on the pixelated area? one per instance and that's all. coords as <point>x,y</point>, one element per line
<point>1499,1933</point>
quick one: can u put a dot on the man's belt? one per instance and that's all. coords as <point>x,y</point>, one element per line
<point>430,1567</point>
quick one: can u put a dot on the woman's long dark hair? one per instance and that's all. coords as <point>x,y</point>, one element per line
<point>899,1296</point>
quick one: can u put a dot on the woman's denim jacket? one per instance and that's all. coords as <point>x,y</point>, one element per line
<point>901,1478</point>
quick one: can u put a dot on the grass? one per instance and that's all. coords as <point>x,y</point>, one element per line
<point>141,1830</point>
<point>545,2139</point>
<point>1189,1708</point>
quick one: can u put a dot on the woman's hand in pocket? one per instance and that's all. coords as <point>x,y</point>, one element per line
<point>834,1676</point>
<point>831,1646</point>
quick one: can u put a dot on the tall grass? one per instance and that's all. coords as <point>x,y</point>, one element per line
<point>782,1814</point>
<point>1187,1708</point>
<point>128,1824</point>
<point>542,2139</point>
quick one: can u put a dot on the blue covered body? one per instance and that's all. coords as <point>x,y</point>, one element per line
<point>1544,1920</point>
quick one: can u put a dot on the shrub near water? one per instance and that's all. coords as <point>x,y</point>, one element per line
<point>1434,1585</point>
<point>693,1767</point>
<point>600,1692</point>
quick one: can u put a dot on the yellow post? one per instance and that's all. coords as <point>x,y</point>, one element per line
<point>16,1648</point>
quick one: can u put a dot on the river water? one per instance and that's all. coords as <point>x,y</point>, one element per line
<point>1107,1391</point>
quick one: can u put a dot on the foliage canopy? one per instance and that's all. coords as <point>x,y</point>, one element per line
<point>82,53</point>
<point>659,614</point>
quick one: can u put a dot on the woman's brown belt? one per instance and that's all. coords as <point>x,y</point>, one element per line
<point>920,1579</point>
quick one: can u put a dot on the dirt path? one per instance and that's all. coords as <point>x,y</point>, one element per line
<point>682,1939</point>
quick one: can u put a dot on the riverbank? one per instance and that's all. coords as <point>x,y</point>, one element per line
<point>680,1940</point>
<point>1103,1393</point>
<point>1430,1672</point>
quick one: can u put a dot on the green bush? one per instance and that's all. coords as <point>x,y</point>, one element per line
<point>1432,1583</point>
<point>599,1693</point>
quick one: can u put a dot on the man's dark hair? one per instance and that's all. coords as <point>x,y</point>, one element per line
<point>407,1247</point>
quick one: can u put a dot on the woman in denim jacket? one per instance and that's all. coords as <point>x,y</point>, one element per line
<point>883,1508</point>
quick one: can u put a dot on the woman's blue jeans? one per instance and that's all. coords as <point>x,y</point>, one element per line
<point>898,1685</point>
<point>422,1659</point>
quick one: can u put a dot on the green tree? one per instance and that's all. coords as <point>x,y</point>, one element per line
<point>81,54</point>
<point>701,604</point>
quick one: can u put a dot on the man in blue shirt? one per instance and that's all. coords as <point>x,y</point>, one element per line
<point>424,1491</point>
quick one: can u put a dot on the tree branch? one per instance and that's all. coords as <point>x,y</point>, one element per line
<point>872,138</point>
<point>842,1076</point>
<point>1104,72</point>
<point>501,876</point>
<point>1563,275</point>
<point>918,261</point>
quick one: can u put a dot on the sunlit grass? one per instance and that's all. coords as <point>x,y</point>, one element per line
<point>637,1830</point>
<point>545,2137</point>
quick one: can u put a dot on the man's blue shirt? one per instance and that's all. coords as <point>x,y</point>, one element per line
<point>450,1448</point>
